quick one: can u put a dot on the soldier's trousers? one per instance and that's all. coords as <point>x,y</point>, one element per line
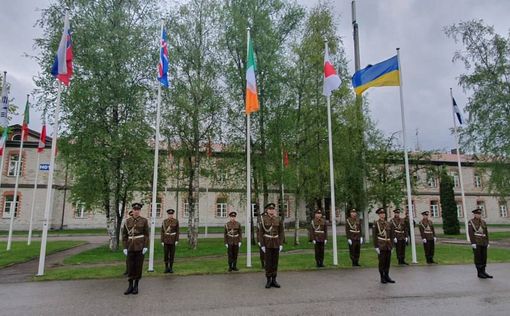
<point>169,254</point>
<point>354,250</point>
<point>319,252</point>
<point>480,254</point>
<point>384,261</point>
<point>429,247</point>
<point>232,251</point>
<point>271,261</point>
<point>262,258</point>
<point>135,265</point>
<point>401,250</point>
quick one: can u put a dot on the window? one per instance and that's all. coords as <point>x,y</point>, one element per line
<point>80,210</point>
<point>221,207</point>
<point>185,204</point>
<point>434,208</point>
<point>478,181</point>
<point>481,205</point>
<point>503,209</point>
<point>286,209</point>
<point>9,205</point>
<point>13,165</point>
<point>432,181</point>
<point>460,214</point>
<point>16,137</point>
<point>253,206</point>
<point>456,181</point>
<point>158,207</point>
<point>413,206</point>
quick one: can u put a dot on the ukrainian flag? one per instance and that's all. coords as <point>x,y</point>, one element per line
<point>385,73</point>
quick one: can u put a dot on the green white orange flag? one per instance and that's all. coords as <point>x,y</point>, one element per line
<point>252,100</point>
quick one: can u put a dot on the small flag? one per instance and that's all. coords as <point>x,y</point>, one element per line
<point>456,110</point>
<point>26,121</point>
<point>42,140</point>
<point>4,111</point>
<point>163,61</point>
<point>285,158</point>
<point>209,148</point>
<point>252,100</point>
<point>331,79</point>
<point>63,66</point>
<point>385,73</point>
<point>3,140</point>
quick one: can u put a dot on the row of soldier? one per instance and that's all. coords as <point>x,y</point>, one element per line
<point>386,236</point>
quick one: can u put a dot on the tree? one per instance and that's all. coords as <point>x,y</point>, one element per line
<point>486,56</point>
<point>448,205</point>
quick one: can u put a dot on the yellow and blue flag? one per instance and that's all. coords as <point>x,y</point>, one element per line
<point>385,73</point>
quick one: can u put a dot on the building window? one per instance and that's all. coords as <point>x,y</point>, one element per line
<point>221,207</point>
<point>407,208</point>
<point>432,181</point>
<point>455,177</point>
<point>80,210</point>
<point>478,181</point>
<point>434,208</point>
<point>158,207</point>
<point>10,205</point>
<point>253,206</point>
<point>13,165</point>
<point>460,214</point>
<point>503,209</point>
<point>16,137</point>
<point>481,205</point>
<point>185,212</point>
<point>286,209</point>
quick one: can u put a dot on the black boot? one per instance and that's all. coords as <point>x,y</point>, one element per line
<point>405,263</point>
<point>274,283</point>
<point>171,269</point>
<point>268,283</point>
<point>481,275</point>
<point>485,273</point>
<point>234,266</point>
<point>135,287</point>
<point>322,263</point>
<point>383,278</point>
<point>130,288</point>
<point>388,279</point>
<point>356,263</point>
<point>167,270</point>
<point>318,263</point>
<point>230,267</point>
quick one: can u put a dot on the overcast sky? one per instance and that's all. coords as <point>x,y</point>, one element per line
<point>413,25</point>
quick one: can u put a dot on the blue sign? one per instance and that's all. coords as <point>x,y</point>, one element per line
<point>44,166</point>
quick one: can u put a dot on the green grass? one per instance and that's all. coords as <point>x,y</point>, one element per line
<point>21,252</point>
<point>492,236</point>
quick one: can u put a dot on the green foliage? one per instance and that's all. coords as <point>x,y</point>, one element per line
<point>21,252</point>
<point>451,224</point>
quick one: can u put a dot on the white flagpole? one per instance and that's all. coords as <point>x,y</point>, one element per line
<point>248,176</point>
<point>406,159</point>
<point>464,210</point>
<point>4,86</point>
<point>332,178</point>
<point>49,189</point>
<point>33,200</point>
<point>16,185</point>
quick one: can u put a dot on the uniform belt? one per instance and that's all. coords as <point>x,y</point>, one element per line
<point>380,238</point>
<point>399,231</point>
<point>136,237</point>
<point>480,234</point>
<point>428,232</point>
<point>236,235</point>
<point>269,236</point>
<point>171,234</point>
<point>319,231</point>
<point>354,231</point>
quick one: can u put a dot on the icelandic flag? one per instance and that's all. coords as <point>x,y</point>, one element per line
<point>331,79</point>
<point>63,66</point>
<point>456,110</point>
<point>163,61</point>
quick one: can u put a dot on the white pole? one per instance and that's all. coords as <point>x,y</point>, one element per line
<point>2,160</point>
<point>206,207</point>
<point>332,185</point>
<point>464,210</point>
<point>4,86</point>
<point>248,175</point>
<point>406,159</point>
<point>49,189</point>
<point>16,185</point>
<point>33,201</point>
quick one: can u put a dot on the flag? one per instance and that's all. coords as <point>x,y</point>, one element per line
<point>385,73</point>
<point>285,158</point>
<point>252,100</point>
<point>456,110</point>
<point>42,140</point>
<point>331,79</point>
<point>163,61</point>
<point>63,65</point>
<point>26,121</point>
<point>209,148</point>
<point>3,140</point>
<point>4,111</point>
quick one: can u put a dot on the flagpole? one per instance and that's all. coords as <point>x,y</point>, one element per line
<point>33,200</point>
<point>4,86</point>
<point>47,206</point>
<point>460,169</point>
<point>406,160</point>
<point>248,171</point>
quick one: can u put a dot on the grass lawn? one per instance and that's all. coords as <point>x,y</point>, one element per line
<point>492,235</point>
<point>20,252</point>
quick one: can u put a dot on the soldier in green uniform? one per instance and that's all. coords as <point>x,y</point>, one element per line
<point>383,245</point>
<point>135,237</point>
<point>170,239</point>
<point>354,236</point>
<point>400,236</point>
<point>271,242</point>
<point>232,238</point>
<point>318,234</point>
<point>428,236</point>
<point>479,237</point>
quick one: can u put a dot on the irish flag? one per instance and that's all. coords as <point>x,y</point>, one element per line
<point>42,140</point>
<point>252,100</point>
<point>331,79</point>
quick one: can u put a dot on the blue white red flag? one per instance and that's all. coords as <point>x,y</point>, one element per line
<point>63,66</point>
<point>163,61</point>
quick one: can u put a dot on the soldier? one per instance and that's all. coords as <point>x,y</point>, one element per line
<point>428,235</point>
<point>170,239</point>
<point>271,240</point>
<point>479,238</point>
<point>383,245</point>
<point>130,213</point>
<point>232,238</point>
<point>319,236</point>
<point>400,233</point>
<point>353,233</point>
<point>135,237</point>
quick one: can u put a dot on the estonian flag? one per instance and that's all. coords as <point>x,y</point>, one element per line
<point>456,110</point>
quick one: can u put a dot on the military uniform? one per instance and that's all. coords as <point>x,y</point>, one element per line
<point>169,239</point>
<point>135,237</point>
<point>262,254</point>
<point>479,238</point>
<point>318,234</point>
<point>428,235</point>
<point>232,238</point>
<point>354,239</point>
<point>271,241</point>
<point>400,234</point>
<point>383,244</point>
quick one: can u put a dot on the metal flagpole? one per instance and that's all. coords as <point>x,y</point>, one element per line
<point>17,170</point>
<point>6,104</point>
<point>406,159</point>
<point>33,201</point>
<point>248,173</point>
<point>47,206</point>
<point>464,210</point>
